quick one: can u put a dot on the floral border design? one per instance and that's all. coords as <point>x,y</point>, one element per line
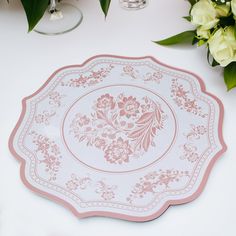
<point>48,153</point>
<point>105,191</point>
<point>190,150</point>
<point>55,102</point>
<point>154,182</point>
<point>129,70</point>
<point>183,100</point>
<point>94,77</point>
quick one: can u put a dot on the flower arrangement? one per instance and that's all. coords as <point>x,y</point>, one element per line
<point>216,28</point>
<point>35,9</point>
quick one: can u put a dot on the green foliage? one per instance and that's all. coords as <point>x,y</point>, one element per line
<point>105,4</point>
<point>192,2</point>
<point>182,38</point>
<point>34,10</point>
<point>230,75</point>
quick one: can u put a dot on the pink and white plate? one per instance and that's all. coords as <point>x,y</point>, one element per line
<point>119,137</point>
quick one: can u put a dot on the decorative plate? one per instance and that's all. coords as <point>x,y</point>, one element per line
<point>119,137</point>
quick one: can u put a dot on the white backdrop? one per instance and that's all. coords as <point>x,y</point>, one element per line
<point>27,60</point>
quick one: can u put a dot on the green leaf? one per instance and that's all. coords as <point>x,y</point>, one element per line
<point>188,18</point>
<point>182,38</point>
<point>34,10</point>
<point>230,75</point>
<point>192,2</point>
<point>105,4</point>
<point>235,31</point>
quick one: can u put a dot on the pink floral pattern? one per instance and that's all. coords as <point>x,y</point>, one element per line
<point>55,100</point>
<point>190,150</point>
<point>129,107</point>
<point>105,191</point>
<point>196,132</point>
<point>76,183</point>
<point>48,152</point>
<point>154,182</point>
<point>136,193</point>
<point>118,151</point>
<point>85,80</point>
<point>182,98</point>
<point>105,102</point>
<point>121,127</point>
<point>156,76</point>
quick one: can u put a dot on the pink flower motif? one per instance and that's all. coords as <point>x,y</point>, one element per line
<point>39,118</point>
<point>105,102</point>
<point>190,105</point>
<point>43,144</point>
<point>157,75</point>
<point>201,129</point>
<point>82,80</point>
<point>82,120</point>
<point>108,195</point>
<point>180,92</point>
<point>72,185</point>
<point>128,69</point>
<point>99,143</point>
<point>128,107</point>
<point>55,149</point>
<point>118,151</point>
<point>54,95</point>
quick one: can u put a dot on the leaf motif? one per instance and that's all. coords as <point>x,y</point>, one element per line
<point>144,134</point>
<point>230,75</point>
<point>145,118</point>
<point>105,4</point>
<point>182,38</point>
<point>192,2</point>
<point>82,138</point>
<point>158,115</point>
<point>101,115</point>
<point>147,140</point>
<point>138,132</point>
<point>34,10</point>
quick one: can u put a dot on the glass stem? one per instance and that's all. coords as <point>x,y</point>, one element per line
<point>52,6</point>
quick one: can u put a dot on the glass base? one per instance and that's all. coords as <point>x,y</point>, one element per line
<point>133,4</point>
<point>66,18</point>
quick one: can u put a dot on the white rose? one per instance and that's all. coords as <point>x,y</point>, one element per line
<point>233,7</point>
<point>202,33</point>
<point>222,46</point>
<point>223,10</point>
<point>204,14</point>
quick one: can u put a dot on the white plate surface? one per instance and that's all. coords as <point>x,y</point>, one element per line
<point>119,137</point>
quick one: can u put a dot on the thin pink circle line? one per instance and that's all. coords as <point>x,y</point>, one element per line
<point>119,172</point>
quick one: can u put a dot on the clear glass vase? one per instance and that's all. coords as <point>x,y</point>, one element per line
<point>133,4</point>
<point>60,18</point>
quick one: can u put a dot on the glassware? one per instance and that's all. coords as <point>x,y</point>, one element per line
<point>60,18</point>
<point>133,4</point>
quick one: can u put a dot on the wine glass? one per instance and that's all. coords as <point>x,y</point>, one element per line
<point>133,4</point>
<point>60,18</point>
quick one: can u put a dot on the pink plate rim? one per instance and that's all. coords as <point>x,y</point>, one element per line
<point>109,214</point>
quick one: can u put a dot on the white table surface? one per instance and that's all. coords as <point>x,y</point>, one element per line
<point>27,60</point>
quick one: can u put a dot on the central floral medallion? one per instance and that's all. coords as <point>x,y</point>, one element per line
<point>122,126</point>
